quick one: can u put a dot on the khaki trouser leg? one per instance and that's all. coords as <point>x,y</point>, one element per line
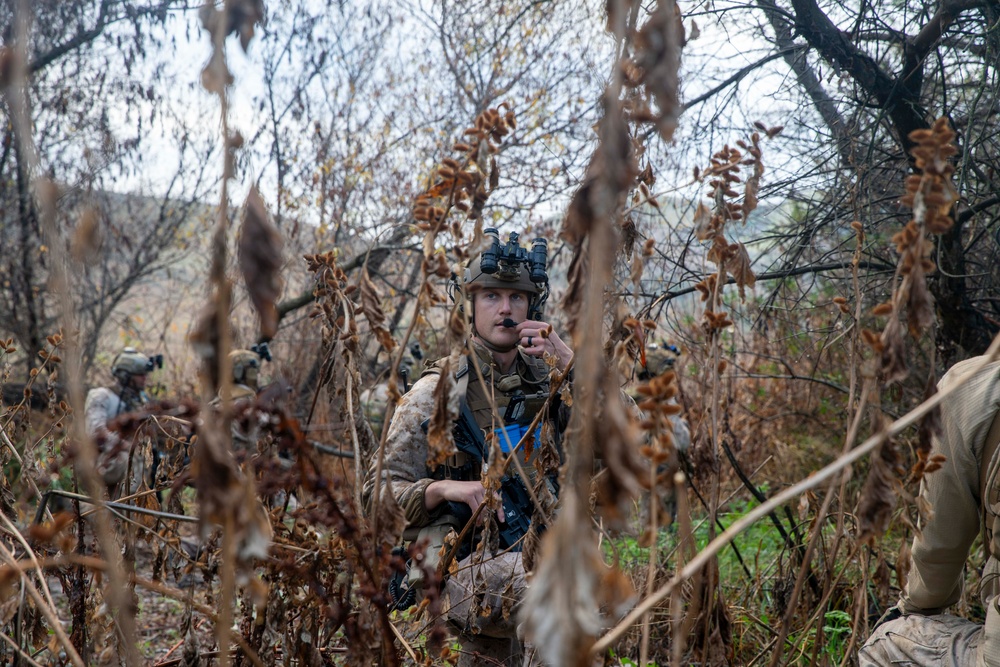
<point>496,584</point>
<point>923,641</point>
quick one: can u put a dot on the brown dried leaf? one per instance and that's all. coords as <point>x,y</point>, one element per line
<point>658,53</point>
<point>893,361</point>
<point>878,496</point>
<point>703,222</point>
<point>216,75</point>
<point>903,562</point>
<point>440,442</point>
<point>609,177</point>
<point>48,531</point>
<point>616,443</point>
<point>920,312</point>
<point>750,195</point>
<point>260,247</point>
<point>738,266</point>
<point>205,339</point>
<point>87,239</point>
<point>372,310</point>
<point>930,424</point>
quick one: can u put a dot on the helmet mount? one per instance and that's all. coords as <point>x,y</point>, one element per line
<point>509,266</point>
<point>130,362</point>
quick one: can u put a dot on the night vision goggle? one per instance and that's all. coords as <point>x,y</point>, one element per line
<point>503,260</point>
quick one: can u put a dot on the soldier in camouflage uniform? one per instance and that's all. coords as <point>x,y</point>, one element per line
<point>375,399</point>
<point>964,501</point>
<point>660,358</point>
<point>482,595</point>
<point>246,368</point>
<point>103,404</point>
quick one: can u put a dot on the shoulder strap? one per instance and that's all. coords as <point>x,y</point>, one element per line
<point>461,375</point>
<point>990,447</point>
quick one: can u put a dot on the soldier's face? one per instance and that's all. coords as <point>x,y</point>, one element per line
<point>495,304</point>
<point>138,382</point>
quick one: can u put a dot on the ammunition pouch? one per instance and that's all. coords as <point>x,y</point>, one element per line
<point>406,587</point>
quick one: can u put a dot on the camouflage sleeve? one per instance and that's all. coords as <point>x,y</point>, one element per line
<point>404,466</point>
<point>952,493</point>
<point>97,410</point>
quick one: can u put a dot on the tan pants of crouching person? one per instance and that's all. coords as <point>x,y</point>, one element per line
<point>490,638</point>
<point>942,640</point>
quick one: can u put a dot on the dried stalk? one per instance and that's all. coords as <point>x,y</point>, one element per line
<point>45,195</point>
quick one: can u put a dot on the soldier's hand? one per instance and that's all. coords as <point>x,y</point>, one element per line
<point>472,494</point>
<point>539,338</point>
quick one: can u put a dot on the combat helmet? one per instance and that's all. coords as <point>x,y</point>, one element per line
<point>508,266</point>
<point>246,363</point>
<point>660,358</point>
<point>131,362</point>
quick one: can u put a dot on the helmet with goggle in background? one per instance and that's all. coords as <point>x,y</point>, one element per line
<point>131,362</point>
<point>508,266</point>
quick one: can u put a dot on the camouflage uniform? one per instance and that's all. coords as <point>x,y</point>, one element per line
<point>245,365</point>
<point>105,403</point>
<point>967,482</point>
<point>102,405</point>
<point>661,358</point>
<point>481,597</point>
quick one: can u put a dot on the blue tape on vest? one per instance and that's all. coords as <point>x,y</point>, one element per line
<point>509,436</point>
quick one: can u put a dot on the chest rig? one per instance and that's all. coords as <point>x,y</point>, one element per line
<point>989,485</point>
<point>129,400</point>
<point>518,397</point>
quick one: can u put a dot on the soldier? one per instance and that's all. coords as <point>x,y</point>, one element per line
<point>246,368</point>
<point>505,288</point>
<point>660,358</point>
<point>103,404</point>
<point>375,399</point>
<point>246,371</point>
<point>964,500</point>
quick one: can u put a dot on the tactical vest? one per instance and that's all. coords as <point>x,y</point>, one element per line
<point>989,485</point>
<point>518,396</point>
<point>131,400</point>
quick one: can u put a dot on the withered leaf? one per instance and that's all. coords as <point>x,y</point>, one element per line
<point>87,239</point>
<point>440,442</point>
<point>658,53</point>
<point>878,496</point>
<point>205,339</point>
<point>738,266</point>
<point>893,360</point>
<point>703,222</point>
<point>372,310</point>
<point>930,424</point>
<point>920,312</point>
<point>750,195</point>
<point>562,611</point>
<point>260,248</point>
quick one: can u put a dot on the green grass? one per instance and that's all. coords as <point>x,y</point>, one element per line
<point>750,599</point>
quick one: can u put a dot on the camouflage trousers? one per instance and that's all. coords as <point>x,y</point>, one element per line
<point>942,640</point>
<point>483,600</point>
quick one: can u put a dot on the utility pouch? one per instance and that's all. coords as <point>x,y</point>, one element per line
<point>407,586</point>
